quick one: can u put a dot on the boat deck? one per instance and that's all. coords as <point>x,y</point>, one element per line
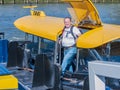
<point>25,77</point>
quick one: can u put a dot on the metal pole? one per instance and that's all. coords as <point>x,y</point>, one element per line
<point>77,59</point>
<point>56,51</point>
<point>26,39</point>
<point>39,44</point>
<point>33,39</point>
<point>26,36</point>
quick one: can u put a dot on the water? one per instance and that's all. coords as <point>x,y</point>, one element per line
<point>109,13</point>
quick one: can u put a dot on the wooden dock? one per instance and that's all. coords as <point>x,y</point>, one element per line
<point>47,1</point>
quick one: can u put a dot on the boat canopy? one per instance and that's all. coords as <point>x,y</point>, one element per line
<point>99,36</point>
<point>46,26</point>
<point>85,14</point>
<point>50,27</point>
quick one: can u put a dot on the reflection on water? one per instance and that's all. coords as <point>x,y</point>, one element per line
<point>109,13</point>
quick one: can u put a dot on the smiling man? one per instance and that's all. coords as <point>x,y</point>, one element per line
<point>69,36</point>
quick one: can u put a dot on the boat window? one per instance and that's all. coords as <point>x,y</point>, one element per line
<point>33,45</point>
<point>48,47</point>
<point>32,38</point>
<point>41,45</point>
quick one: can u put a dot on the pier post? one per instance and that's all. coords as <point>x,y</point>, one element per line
<point>2,1</point>
<point>37,1</point>
<point>14,2</point>
<point>47,1</point>
<point>26,1</point>
<point>57,0</point>
<point>95,1</point>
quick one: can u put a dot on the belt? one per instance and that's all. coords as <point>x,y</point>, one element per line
<point>68,47</point>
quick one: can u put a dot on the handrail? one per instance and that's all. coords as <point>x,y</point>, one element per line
<point>100,69</point>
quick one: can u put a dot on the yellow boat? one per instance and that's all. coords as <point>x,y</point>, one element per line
<point>86,17</point>
<point>42,37</point>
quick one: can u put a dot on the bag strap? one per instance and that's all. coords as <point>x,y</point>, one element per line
<point>71,30</point>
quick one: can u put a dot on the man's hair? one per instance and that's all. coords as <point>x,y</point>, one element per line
<point>68,18</point>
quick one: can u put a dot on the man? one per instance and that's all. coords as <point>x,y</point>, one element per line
<point>69,36</point>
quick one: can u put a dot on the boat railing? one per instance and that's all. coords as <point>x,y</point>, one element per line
<point>98,70</point>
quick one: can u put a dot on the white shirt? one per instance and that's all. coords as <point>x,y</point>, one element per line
<point>67,37</point>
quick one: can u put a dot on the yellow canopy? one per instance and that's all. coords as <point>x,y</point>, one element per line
<point>99,36</point>
<point>46,27</point>
<point>49,27</point>
<point>86,15</point>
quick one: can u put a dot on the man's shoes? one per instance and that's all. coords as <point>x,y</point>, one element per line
<point>66,75</point>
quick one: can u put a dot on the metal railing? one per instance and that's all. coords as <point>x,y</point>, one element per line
<point>100,69</point>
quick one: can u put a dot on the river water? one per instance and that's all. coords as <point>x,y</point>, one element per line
<point>109,13</point>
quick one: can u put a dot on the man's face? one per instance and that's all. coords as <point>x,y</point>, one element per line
<point>67,22</point>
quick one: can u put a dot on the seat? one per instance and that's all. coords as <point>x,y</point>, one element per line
<point>15,55</point>
<point>46,74</point>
